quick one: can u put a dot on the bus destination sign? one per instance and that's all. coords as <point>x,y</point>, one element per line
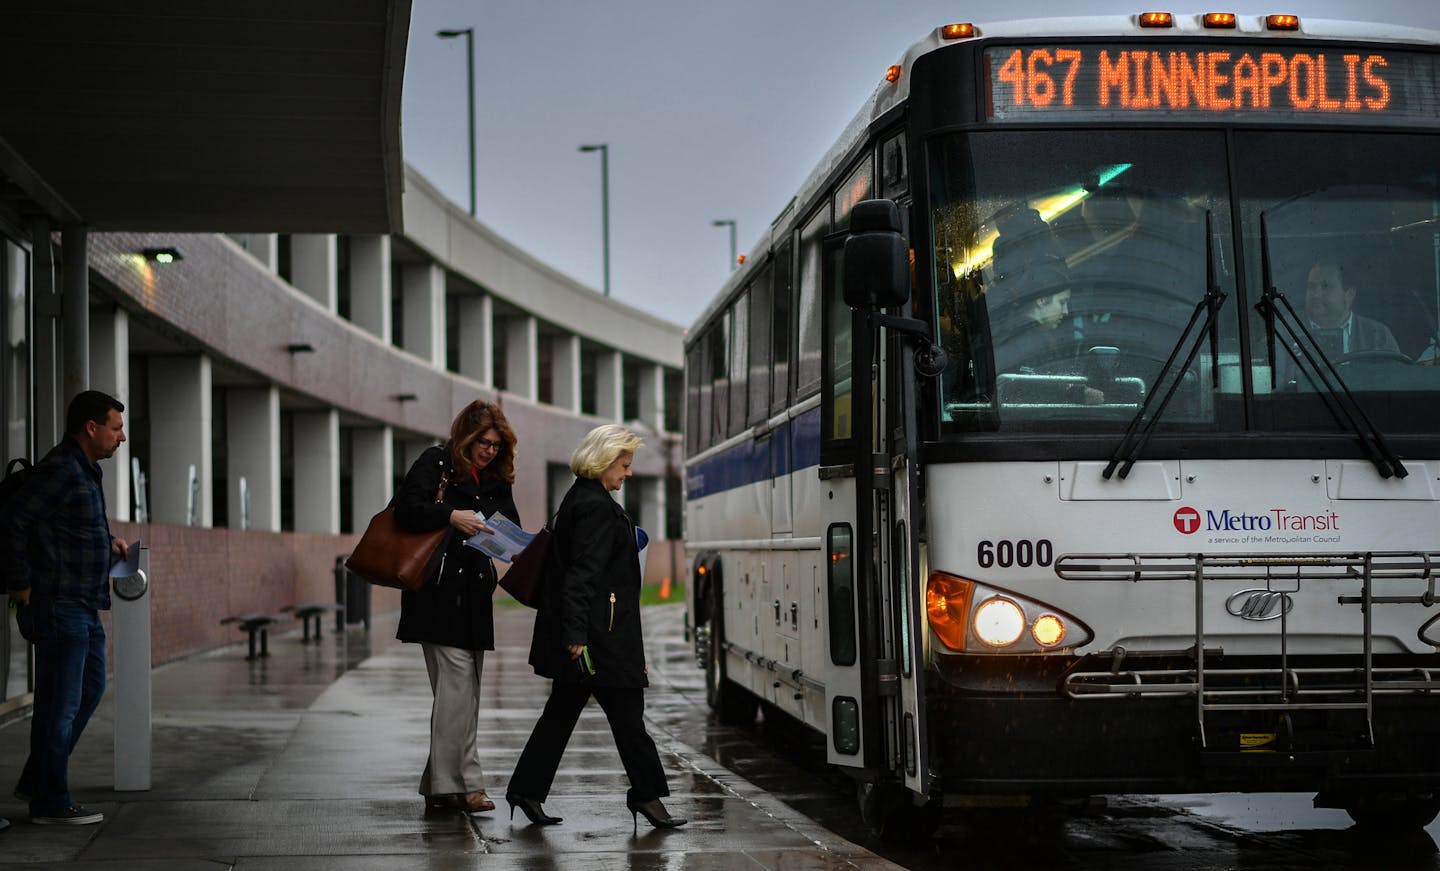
<point>1354,83</point>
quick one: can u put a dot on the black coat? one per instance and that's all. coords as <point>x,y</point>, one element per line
<point>591,594</point>
<point>455,609</point>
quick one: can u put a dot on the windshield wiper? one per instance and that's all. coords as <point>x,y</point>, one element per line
<point>1126,452</point>
<point>1275,309</point>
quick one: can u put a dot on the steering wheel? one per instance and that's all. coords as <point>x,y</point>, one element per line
<point>1373,355</point>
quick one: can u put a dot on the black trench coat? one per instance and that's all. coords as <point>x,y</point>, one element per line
<point>455,609</point>
<point>591,593</point>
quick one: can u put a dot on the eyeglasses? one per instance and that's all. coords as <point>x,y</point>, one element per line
<point>487,445</point>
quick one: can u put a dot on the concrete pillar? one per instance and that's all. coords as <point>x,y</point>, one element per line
<point>522,352</point>
<point>565,370</point>
<point>312,267</point>
<point>372,475</point>
<point>423,299</point>
<point>652,396</point>
<point>264,247</point>
<point>180,437</point>
<point>110,372</point>
<point>76,320</point>
<point>252,438</point>
<point>609,385</point>
<point>652,505</point>
<point>49,410</point>
<point>317,471</point>
<point>477,339</point>
<point>370,290</point>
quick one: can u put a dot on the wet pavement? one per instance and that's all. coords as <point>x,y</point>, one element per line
<point>310,758</point>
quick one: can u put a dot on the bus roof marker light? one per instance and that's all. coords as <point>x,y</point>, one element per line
<point>1219,20</point>
<point>1156,19</point>
<point>1282,22</point>
<point>892,74</point>
<point>959,31</point>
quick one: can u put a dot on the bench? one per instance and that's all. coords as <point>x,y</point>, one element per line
<point>312,611</point>
<point>256,624</point>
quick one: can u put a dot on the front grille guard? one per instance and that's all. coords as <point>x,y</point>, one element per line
<point>1281,689</point>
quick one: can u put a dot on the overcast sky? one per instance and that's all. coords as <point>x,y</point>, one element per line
<point>711,110</point>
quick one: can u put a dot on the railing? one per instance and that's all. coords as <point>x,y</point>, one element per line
<point>1281,688</point>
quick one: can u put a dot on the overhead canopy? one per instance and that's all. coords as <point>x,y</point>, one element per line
<point>205,115</point>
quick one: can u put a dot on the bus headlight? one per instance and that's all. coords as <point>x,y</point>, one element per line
<point>1048,630</point>
<point>999,622</point>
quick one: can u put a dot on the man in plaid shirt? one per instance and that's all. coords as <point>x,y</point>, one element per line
<point>55,555</point>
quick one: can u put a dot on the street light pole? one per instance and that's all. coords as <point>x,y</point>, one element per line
<point>604,150</point>
<point>469,34</point>
<point>731,225</point>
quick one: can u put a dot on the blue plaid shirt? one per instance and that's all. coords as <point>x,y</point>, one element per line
<point>55,536</point>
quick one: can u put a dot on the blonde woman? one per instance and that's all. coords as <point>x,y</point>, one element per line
<point>587,636</point>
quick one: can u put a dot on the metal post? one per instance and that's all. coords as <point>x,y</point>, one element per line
<point>469,34</point>
<point>604,150</point>
<point>130,622</point>
<point>731,224</point>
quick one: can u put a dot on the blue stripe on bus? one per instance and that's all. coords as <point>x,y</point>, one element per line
<point>790,447</point>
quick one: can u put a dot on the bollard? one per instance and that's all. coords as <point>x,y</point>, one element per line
<point>130,623</point>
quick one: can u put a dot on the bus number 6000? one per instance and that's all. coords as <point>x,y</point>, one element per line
<point>1006,553</point>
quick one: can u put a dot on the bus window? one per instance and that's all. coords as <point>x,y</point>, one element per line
<point>1351,241</point>
<point>739,391</point>
<point>837,424</point>
<point>692,398</point>
<point>706,387</point>
<point>781,340</point>
<point>894,175</point>
<point>1069,266</point>
<point>760,359</point>
<point>856,188</point>
<point>719,379</point>
<point>807,309</point>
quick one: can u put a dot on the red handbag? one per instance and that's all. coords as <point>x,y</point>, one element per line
<point>527,571</point>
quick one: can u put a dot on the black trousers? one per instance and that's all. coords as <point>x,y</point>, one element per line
<point>624,708</point>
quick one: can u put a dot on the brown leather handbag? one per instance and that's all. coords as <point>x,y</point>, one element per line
<point>389,556</point>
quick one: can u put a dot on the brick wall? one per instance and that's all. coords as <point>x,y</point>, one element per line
<point>200,576</point>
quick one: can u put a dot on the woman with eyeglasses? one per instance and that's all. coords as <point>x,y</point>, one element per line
<point>451,617</point>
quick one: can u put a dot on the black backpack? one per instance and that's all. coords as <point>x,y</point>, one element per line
<point>17,472</point>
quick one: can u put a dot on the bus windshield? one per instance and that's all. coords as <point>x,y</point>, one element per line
<point>1069,264</point>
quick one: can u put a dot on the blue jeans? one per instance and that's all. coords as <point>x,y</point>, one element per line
<point>69,683</point>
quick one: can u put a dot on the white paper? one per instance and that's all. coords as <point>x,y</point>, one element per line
<point>130,565</point>
<point>504,542</point>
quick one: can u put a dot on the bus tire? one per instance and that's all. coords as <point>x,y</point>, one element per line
<point>890,813</point>
<point>1392,813</point>
<point>732,704</point>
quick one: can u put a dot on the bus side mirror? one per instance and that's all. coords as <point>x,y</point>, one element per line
<point>876,257</point>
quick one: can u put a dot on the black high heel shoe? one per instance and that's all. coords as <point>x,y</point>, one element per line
<point>532,810</point>
<point>655,813</point>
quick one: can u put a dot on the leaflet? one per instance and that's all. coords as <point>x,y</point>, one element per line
<point>504,542</point>
<point>128,566</point>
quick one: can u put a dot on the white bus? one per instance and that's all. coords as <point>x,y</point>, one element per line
<point>1074,431</point>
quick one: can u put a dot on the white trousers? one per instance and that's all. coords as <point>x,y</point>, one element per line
<point>454,763</point>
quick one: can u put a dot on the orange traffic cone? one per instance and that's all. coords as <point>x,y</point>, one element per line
<point>665,588</point>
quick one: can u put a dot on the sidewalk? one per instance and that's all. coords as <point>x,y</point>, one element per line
<point>297,761</point>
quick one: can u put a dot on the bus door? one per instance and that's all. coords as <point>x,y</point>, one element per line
<point>877,276</point>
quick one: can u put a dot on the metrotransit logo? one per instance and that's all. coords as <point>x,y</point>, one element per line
<point>1269,526</point>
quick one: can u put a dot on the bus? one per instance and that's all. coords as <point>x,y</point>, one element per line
<point>1075,428</point>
